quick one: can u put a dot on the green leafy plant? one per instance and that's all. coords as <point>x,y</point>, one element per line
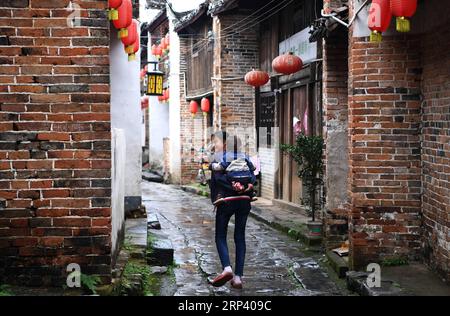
<point>394,262</point>
<point>5,290</point>
<point>307,152</point>
<point>136,270</point>
<point>89,282</point>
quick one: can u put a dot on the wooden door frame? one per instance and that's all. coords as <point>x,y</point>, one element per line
<point>288,90</point>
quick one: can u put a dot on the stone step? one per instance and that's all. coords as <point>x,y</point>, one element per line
<point>339,265</point>
<point>160,251</point>
<point>152,177</point>
<point>153,221</point>
<point>357,282</point>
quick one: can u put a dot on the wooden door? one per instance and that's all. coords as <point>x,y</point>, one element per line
<point>294,105</point>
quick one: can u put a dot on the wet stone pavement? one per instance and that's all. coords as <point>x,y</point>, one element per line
<point>275,263</point>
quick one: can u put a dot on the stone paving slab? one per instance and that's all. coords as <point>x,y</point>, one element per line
<point>417,279</point>
<point>136,232</point>
<point>275,263</point>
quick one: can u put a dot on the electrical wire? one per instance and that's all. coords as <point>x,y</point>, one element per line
<point>255,19</point>
<point>256,12</point>
<point>204,43</point>
<point>280,6</point>
<point>232,33</point>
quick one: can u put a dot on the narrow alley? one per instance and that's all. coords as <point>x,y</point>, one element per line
<point>124,123</point>
<point>275,265</point>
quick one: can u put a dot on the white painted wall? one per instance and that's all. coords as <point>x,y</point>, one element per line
<point>158,124</point>
<point>159,129</point>
<point>126,111</point>
<point>117,186</point>
<point>143,144</point>
<point>174,103</point>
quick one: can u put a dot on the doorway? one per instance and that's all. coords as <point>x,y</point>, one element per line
<point>295,114</point>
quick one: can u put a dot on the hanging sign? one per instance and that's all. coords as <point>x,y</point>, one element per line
<point>155,81</point>
<point>299,45</point>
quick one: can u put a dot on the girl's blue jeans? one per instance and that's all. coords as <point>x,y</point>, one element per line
<point>241,210</point>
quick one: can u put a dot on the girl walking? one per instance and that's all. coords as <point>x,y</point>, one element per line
<point>237,203</point>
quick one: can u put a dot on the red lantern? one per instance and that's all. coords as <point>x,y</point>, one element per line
<point>166,95</point>
<point>163,44</point>
<point>257,78</point>
<point>161,98</point>
<point>167,39</point>
<point>113,14</point>
<point>287,64</point>
<point>193,107</point>
<point>205,104</point>
<point>131,37</point>
<point>403,9</point>
<point>144,102</point>
<point>125,18</point>
<point>158,51</point>
<point>135,49</point>
<point>379,19</point>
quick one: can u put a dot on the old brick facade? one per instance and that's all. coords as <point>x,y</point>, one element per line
<point>55,141</point>
<point>385,167</point>
<point>191,127</point>
<point>385,124</point>
<point>398,142</point>
<point>335,112</point>
<point>435,88</point>
<point>234,56</point>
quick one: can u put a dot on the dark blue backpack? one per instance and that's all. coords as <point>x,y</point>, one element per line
<point>244,177</point>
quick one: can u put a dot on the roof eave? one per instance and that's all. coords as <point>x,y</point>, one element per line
<point>183,25</point>
<point>157,21</point>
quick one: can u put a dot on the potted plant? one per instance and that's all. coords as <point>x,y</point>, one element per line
<point>307,152</point>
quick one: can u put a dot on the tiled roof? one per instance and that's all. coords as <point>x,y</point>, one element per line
<point>216,6</point>
<point>186,18</point>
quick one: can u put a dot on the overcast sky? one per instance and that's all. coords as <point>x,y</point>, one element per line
<point>185,5</point>
<point>178,5</point>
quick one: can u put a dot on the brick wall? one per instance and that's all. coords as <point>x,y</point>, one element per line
<point>335,107</point>
<point>55,141</point>
<point>192,129</point>
<point>385,166</point>
<point>436,148</point>
<point>234,56</point>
